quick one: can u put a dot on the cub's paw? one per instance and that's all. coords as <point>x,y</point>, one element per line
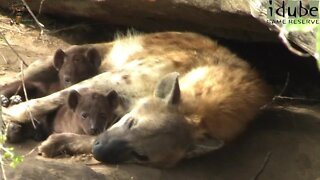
<point>4,101</point>
<point>55,145</point>
<point>16,99</point>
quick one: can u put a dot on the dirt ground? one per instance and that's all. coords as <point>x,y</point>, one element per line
<point>283,143</point>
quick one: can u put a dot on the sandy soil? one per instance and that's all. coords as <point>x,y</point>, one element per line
<point>283,143</point>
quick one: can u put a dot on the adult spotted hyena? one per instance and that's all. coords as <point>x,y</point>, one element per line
<point>167,119</point>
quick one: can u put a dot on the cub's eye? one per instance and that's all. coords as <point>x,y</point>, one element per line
<point>67,80</point>
<point>84,115</point>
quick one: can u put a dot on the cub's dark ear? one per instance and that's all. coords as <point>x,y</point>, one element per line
<point>168,88</point>
<point>113,98</point>
<point>73,99</point>
<point>58,59</point>
<point>94,57</point>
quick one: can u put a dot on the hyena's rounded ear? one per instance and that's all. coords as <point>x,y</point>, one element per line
<point>73,99</point>
<point>94,57</point>
<point>205,147</point>
<point>168,88</point>
<point>113,98</point>
<point>58,58</point>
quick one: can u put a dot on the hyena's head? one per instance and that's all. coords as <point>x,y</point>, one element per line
<point>76,64</point>
<point>153,133</point>
<point>93,112</point>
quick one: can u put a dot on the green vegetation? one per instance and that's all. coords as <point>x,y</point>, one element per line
<point>7,155</point>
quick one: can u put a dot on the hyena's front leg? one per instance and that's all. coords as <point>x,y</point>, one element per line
<point>66,143</point>
<point>101,83</point>
<point>37,107</point>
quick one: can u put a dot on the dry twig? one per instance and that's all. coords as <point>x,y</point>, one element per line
<point>4,58</point>
<point>297,98</point>
<point>40,7</point>
<point>41,26</point>
<point>3,171</point>
<point>67,28</point>
<point>281,97</point>
<point>26,96</point>
<point>2,131</point>
<point>2,124</point>
<point>263,166</point>
<point>280,94</point>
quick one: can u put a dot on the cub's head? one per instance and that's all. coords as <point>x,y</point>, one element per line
<point>155,132</point>
<point>76,64</point>
<point>94,112</point>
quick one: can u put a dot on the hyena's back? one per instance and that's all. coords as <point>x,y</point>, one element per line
<point>148,57</point>
<point>159,51</point>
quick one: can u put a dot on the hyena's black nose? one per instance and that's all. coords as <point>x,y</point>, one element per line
<point>112,152</point>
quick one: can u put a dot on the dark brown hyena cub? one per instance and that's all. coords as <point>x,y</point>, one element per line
<point>73,66</point>
<point>87,113</point>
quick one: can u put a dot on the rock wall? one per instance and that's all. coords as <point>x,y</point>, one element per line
<point>224,18</point>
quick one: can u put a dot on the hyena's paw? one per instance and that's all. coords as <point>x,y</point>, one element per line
<point>66,143</point>
<point>56,144</point>
<point>15,132</point>
<point>4,101</point>
<point>16,99</point>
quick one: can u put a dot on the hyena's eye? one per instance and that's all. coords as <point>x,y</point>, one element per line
<point>84,115</point>
<point>139,156</point>
<point>131,122</point>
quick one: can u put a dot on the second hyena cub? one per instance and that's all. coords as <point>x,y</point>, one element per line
<point>73,65</point>
<point>76,64</point>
